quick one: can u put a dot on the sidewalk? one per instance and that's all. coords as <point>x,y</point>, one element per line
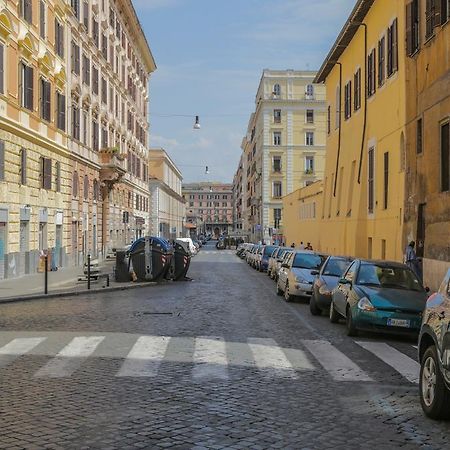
<point>60,283</point>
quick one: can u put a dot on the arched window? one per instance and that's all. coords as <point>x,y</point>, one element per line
<point>86,187</point>
<point>75,184</point>
<point>95,190</point>
<point>276,89</point>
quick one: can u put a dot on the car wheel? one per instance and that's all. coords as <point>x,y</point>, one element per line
<point>287,296</point>
<point>279,291</point>
<point>313,308</point>
<point>334,315</point>
<point>434,395</point>
<point>351,329</point>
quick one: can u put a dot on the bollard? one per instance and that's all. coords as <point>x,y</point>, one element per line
<point>107,280</point>
<point>89,271</point>
<point>46,274</point>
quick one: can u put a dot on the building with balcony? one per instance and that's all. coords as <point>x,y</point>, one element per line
<point>209,206</point>
<point>73,130</point>
<point>283,150</point>
<point>168,207</point>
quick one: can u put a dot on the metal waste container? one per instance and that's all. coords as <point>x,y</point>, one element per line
<point>150,257</point>
<point>122,273</point>
<point>182,260</point>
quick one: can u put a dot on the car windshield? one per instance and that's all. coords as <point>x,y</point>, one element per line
<point>392,277</point>
<point>307,261</point>
<point>268,250</point>
<point>335,267</point>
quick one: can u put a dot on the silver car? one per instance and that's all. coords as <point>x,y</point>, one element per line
<point>297,274</point>
<point>275,261</point>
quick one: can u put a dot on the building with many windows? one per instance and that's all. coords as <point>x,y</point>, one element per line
<point>209,207</point>
<point>73,130</point>
<point>283,150</point>
<point>168,207</point>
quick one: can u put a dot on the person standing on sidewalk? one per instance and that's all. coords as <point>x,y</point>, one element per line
<point>412,261</point>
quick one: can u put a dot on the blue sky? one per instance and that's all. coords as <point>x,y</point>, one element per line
<point>210,55</point>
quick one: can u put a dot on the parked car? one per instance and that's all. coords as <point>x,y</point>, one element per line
<point>295,278</point>
<point>326,280</point>
<point>434,354</point>
<point>192,247</point>
<point>379,296</point>
<point>258,256</point>
<point>266,253</point>
<point>273,259</point>
<point>277,261</point>
<point>251,254</point>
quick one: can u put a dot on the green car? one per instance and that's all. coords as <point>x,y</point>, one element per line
<point>379,296</point>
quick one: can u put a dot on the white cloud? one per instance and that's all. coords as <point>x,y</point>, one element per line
<point>161,141</point>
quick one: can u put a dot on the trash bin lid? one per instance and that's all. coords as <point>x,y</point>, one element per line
<point>166,246</point>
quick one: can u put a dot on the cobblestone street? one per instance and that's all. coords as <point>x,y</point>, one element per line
<point>219,362</point>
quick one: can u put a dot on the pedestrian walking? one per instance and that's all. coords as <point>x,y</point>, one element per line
<point>309,246</point>
<point>302,246</point>
<point>412,261</point>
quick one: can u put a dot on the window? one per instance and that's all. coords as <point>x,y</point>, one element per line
<point>419,137</point>
<point>26,11</point>
<point>59,38</point>
<point>86,15</point>
<point>2,69</point>
<point>85,127</point>
<point>75,122</point>
<point>46,173</point>
<point>445,11</point>
<point>95,141</point>
<point>86,187</point>
<point>430,12</point>
<point>95,190</point>
<point>371,181</point>
<point>357,89</point>
<point>104,91</point>
<point>371,72</point>
<point>337,120</point>
<point>61,111</point>
<point>86,70</point>
<point>386,181</point>
<point>445,157</point>
<point>382,59</point>
<point>276,90</point>
<point>76,7</point>
<point>392,57</point>
<point>277,189</point>
<point>412,27</point>
<point>45,106</point>
<point>277,163</point>
<point>2,161</point>
<point>277,138</point>
<point>348,100</point>
<point>309,92</point>
<point>277,115</point>
<point>26,89</point>
<point>277,217</point>
<point>75,58</point>
<point>309,165</point>
<point>95,33</point>
<point>75,184</point>
<point>309,138</point>
<point>329,119</point>
<point>105,46</point>
<point>42,20</point>
<point>309,116</point>
<point>23,166</point>
<point>58,176</point>
<point>95,80</point>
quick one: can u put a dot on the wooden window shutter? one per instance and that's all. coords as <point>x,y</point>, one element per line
<point>29,77</point>
<point>437,13</point>
<point>394,38</point>
<point>2,160</point>
<point>409,30</point>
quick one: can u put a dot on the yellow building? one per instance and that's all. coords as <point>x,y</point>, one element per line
<point>168,207</point>
<point>364,75</point>
<point>302,209</point>
<point>284,148</point>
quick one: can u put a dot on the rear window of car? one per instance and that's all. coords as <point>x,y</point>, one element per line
<point>268,250</point>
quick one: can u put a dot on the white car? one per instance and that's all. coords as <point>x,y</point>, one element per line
<point>192,247</point>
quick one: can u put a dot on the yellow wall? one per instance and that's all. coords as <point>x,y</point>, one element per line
<point>346,225</point>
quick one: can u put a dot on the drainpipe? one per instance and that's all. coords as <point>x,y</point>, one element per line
<point>340,128</point>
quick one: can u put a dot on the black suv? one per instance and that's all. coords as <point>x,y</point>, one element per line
<point>434,354</point>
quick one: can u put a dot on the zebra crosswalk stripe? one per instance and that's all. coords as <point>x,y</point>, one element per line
<point>145,357</point>
<point>403,364</point>
<point>270,359</point>
<point>338,365</point>
<point>17,347</point>
<point>71,357</point>
<point>210,358</point>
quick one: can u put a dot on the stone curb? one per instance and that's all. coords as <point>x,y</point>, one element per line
<point>62,294</point>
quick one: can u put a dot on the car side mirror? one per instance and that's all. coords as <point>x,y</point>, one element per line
<point>284,266</point>
<point>427,289</point>
<point>314,272</point>
<point>345,281</point>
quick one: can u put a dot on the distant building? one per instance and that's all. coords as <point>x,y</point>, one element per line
<point>209,206</point>
<point>284,149</point>
<point>168,208</point>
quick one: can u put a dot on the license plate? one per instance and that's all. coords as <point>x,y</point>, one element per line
<point>399,323</point>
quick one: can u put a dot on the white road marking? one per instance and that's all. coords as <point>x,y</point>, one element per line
<point>270,358</point>
<point>339,366</point>
<point>71,357</point>
<point>17,347</point>
<point>210,358</point>
<point>403,364</point>
<point>145,357</point>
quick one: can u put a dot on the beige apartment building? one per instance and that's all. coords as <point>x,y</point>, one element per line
<point>73,130</point>
<point>283,150</point>
<point>209,208</point>
<point>167,204</point>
